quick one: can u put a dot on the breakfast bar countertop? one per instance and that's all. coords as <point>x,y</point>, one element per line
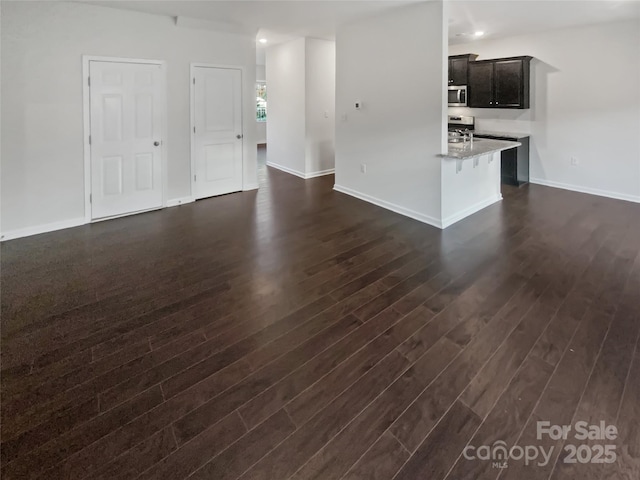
<point>477,147</point>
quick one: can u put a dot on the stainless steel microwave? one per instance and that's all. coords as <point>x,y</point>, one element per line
<point>458,96</point>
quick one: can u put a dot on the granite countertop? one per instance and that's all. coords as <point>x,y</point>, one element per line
<point>482,146</point>
<point>493,133</point>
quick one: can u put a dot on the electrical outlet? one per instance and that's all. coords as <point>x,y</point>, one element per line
<point>574,161</point>
<point>326,114</point>
<point>363,167</point>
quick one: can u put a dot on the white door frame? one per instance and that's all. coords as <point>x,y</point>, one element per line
<point>192,126</point>
<point>86,114</point>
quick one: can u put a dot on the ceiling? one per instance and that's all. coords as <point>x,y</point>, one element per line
<point>516,17</point>
<point>292,18</point>
<point>280,21</point>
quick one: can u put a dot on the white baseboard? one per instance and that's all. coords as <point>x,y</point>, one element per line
<point>179,201</point>
<point>320,173</point>
<point>451,219</point>
<point>286,169</point>
<point>253,186</point>
<point>591,191</point>
<point>36,230</point>
<point>390,206</point>
<point>297,173</point>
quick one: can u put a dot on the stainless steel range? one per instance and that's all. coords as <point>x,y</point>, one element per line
<point>460,128</point>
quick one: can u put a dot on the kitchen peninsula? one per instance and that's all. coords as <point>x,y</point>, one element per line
<point>470,174</point>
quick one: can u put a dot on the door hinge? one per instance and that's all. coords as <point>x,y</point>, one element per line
<point>90,198</point>
<point>194,129</point>
<point>194,178</point>
<point>89,81</point>
<point>89,139</point>
<point>194,80</point>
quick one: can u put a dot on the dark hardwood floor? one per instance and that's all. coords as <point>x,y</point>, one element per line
<point>296,332</point>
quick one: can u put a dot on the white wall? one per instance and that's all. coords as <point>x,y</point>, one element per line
<point>585,103</point>
<point>320,93</point>
<point>396,66</point>
<point>261,132</point>
<point>42,126</point>
<point>285,67</point>
<point>301,106</point>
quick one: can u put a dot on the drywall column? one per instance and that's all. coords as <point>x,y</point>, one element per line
<point>386,151</point>
<point>261,127</point>
<point>320,101</point>
<point>286,106</point>
<point>301,102</point>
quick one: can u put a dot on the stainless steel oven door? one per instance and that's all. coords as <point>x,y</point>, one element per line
<point>457,96</point>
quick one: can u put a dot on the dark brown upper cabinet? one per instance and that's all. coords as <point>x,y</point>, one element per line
<point>458,68</point>
<point>499,83</point>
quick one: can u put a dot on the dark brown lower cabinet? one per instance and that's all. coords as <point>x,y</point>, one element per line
<point>514,163</point>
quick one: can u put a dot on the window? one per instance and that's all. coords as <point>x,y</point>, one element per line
<point>261,102</point>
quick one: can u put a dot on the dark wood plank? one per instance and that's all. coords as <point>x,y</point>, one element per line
<point>381,461</point>
<point>236,459</point>
<point>444,444</point>
<point>485,389</point>
<point>96,454</point>
<point>627,464</point>
<point>210,412</point>
<point>59,447</point>
<point>192,455</point>
<point>292,453</point>
<point>562,394</point>
<point>316,397</point>
<point>476,305</point>
<point>412,426</point>
<point>506,419</point>
<point>603,394</point>
<point>339,454</point>
<point>139,458</point>
<point>337,362</point>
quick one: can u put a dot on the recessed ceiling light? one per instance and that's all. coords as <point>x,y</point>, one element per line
<point>479,34</point>
<point>263,40</point>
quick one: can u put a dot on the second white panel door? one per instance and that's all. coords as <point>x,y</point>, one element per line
<point>218,131</point>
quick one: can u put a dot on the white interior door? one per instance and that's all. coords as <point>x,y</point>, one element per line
<point>217,132</point>
<point>126,145</point>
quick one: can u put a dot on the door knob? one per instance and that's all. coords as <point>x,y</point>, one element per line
<point>238,136</point>
<point>156,144</point>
